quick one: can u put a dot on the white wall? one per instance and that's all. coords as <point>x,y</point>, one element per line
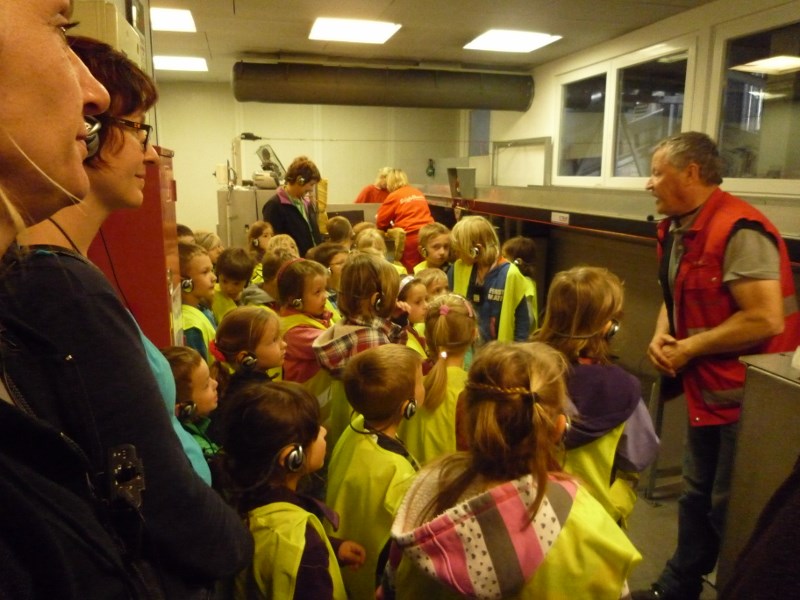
<point>348,143</point>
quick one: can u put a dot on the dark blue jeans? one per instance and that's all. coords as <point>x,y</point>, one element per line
<point>707,467</point>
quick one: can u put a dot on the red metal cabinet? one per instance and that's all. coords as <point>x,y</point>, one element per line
<point>138,252</point>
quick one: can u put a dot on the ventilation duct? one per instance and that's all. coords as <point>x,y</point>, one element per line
<point>296,83</point>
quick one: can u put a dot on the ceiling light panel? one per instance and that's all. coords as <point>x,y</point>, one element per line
<point>352,30</point>
<point>179,63</point>
<point>508,40</point>
<point>172,19</point>
<point>774,65</point>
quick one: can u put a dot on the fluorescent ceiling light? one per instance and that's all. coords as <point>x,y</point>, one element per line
<point>180,63</point>
<point>352,30</point>
<point>767,95</point>
<point>507,40</point>
<point>774,65</point>
<point>172,19</point>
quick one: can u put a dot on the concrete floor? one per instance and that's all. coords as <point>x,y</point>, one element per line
<point>653,529</point>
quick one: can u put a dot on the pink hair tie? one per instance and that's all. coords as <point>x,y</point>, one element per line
<point>215,351</point>
<point>444,309</point>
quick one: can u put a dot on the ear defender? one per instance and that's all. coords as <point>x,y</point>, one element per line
<point>92,136</point>
<point>185,411</point>
<point>474,251</point>
<point>423,252</point>
<point>297,303</point>
<point>613,329</point>
<point>248,361</point>
<point>410,409</point>
<point>187,285</point>
<point>295,459</point>
<point>301,180</point>
<point>255,243</point>
<point>378,302</point>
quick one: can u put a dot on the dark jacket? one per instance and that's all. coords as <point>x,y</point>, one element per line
<point>84,371</point>
<point>285,218</point>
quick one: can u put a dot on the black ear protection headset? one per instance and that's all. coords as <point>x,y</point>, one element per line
<point>297,303</point>
<point>185,411</point>
<point>248,361</point>
<point>410,409</point>
<point>92,135</point>
<point>255,243</point>
<point>474,251</point>
<point>187,285</point>
<point>301,180</point>
<point>295,459</point>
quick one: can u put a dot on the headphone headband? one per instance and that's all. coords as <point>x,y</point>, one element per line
<point>285,266</point>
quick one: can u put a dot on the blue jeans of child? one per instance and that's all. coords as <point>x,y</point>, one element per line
<point>707,466</point>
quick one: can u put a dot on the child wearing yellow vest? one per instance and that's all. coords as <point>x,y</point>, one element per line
<point>450,330</point>
<point>370,469</point>
<point>302,289</point>
<point>412,304</point>
<point>272,439</point>
<point>197,294</point>
<point>501,520</point>
<point>234,270</point>
<point>612,439</point>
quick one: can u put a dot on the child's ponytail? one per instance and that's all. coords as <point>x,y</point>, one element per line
<point>449,329</point>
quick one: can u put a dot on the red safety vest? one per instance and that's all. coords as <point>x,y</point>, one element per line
<point>714,385</point>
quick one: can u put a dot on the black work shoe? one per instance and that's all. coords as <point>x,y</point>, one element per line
<point>654,593</point>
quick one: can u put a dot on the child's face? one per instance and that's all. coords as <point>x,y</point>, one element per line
<point>215,252</point>
<point>316,452</point>
<point>315,294</point>
<point>232,288</point>
<point>264,238</point>
<point>271,348</point>
<point>201,272</point>
<point>437,288</point>
<point>417,303</point>
<point>336,265</point>
<point>438,248</point>
<point>204,391</point>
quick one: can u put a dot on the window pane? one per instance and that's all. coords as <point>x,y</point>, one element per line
<point>581,141</point>
<point>760,129</point>
<point>650,108</point>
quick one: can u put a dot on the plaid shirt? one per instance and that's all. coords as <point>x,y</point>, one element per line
<point>336,346</point>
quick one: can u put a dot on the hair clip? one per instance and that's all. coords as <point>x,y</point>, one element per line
<point>404,282</point>
<point>216,352</point>
<point>444,309</point>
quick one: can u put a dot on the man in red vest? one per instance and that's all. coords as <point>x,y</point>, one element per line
<point>728,291</point>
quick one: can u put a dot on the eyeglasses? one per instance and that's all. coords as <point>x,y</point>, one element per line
<point>142,130</point>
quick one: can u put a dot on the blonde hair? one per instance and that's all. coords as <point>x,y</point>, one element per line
<point>450,327</point>
<point>514,397</point>
<point>339,230</point>
<point>363,276</point>
<point>395,179</point>
<point>379,380</point>
<point>371,238</point>
<point>207,239</point>
<point>580,304</point>
<point>282,242</point>
<point>381,176</point>
<point>474,233</point>
<point>431,275</point>
<point>186,252</point>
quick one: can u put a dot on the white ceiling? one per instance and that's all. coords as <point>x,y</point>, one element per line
<point>433,32</point>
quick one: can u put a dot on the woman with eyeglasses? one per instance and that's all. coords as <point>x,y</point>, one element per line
<point>110,382</point>
<point>611,439</point>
